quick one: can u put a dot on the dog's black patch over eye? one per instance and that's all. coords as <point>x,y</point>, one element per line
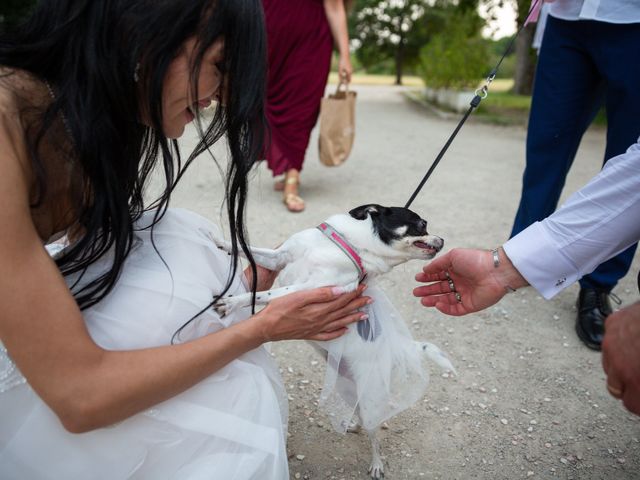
<point>388,221</point>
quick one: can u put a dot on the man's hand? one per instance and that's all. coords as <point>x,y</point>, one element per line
<point>621,356</point>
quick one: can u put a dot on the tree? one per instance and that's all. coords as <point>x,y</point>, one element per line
<point>525,55</point>
<point>396,30</point>
<point>389,29</point>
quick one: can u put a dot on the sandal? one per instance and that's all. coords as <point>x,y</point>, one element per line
<point>292,200</point>
<point>278,185</point>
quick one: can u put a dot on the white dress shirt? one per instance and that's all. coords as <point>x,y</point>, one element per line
<point>611,11</point>
<point>594,224</point>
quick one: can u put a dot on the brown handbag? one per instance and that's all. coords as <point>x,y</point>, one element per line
<point>337,126</point>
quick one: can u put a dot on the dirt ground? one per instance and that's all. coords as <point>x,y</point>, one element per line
<point>529,400</point>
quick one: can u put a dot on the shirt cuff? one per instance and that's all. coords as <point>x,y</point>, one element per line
<point>538,260</point>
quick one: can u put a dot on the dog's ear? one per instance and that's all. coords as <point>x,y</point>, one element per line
<point>360,213</point>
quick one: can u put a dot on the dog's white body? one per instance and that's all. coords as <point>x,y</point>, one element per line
<point>373,373</point>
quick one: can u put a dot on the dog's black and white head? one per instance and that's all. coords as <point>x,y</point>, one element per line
<point>400,229</point>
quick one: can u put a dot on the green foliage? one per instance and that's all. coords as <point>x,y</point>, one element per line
<point>496,49</point>
<point>456,57</point>
<point>387,35</point>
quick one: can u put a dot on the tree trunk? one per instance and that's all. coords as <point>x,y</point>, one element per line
<point>399,61</point>
<point>525,62</point>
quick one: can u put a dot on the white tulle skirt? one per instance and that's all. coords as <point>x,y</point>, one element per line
<point>231,426</point>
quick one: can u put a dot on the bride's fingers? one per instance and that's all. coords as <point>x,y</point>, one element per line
<point>351,308</point>
<point>324,336</point>
<point>344,320</point>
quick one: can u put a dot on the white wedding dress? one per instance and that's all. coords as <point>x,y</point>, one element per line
<point>230,426</point>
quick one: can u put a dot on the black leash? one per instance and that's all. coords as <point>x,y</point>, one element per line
<point>480,94</point>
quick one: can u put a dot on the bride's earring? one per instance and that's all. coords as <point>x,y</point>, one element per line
<point>136,73</point>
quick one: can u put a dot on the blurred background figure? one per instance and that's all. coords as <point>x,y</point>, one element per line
<point>300,37</point>
<point>588,58</point>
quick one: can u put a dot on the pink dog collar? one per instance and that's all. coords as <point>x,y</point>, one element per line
<point>348,249</point>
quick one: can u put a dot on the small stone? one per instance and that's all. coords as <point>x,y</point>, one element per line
<point>556,317</point>
<point>504,421</point>
<point>547,399</point>
<point>530,473</point>
<point>533,422</point>
<point>564,461</point>
<point>297,475</point>
<point>548,445</point>
<point>300,457</point>
<point>621,460</point>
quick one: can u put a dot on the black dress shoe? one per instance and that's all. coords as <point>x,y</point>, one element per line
<point>593,309</point>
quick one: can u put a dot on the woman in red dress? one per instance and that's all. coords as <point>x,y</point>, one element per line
<point>300,38</point>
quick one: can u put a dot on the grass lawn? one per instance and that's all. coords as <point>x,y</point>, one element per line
<point>500,107</point>
<point>365,79</point>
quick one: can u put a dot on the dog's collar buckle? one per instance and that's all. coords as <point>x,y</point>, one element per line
<point>348,249</point>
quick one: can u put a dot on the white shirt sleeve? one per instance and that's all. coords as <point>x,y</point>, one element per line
<point>594,224</point>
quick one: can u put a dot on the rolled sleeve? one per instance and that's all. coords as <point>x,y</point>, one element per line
<point>594,224</point>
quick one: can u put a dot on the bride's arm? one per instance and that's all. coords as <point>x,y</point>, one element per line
<point>88,387</point>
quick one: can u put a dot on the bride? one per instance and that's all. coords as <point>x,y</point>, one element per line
<point>112,364</point>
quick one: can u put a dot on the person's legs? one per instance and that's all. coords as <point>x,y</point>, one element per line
<point>565,99</point>
<point>614,49</point>
<point>617,46</point>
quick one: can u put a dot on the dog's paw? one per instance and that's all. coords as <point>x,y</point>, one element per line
<point>223,307</point>
<point>376,470</point>
<point>353,427</point>
<point>222,244</point>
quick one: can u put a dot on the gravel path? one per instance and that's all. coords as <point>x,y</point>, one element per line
<point>530,399</point>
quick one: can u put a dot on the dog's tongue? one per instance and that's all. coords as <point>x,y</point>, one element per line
<point>420,244</point>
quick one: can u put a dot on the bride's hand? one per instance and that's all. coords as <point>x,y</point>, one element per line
<point>318,314</point>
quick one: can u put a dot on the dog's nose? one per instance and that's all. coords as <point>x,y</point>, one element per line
<point>438,243</point>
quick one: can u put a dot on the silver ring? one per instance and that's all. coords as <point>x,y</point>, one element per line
<point>451,285</point>
<point>458,297</point>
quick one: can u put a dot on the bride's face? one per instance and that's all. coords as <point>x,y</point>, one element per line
<point>178,106</point>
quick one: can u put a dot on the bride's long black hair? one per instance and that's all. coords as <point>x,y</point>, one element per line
<point>95,55</point>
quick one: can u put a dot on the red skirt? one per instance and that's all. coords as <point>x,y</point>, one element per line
<point>300,44</point>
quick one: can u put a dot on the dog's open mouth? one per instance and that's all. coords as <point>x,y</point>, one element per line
<point>425,246</point>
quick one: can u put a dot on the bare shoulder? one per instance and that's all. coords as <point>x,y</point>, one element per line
<point>37,312</point>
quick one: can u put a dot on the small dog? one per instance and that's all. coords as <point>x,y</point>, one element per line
<point>375,370</point>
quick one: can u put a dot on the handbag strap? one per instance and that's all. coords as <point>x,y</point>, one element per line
<point>346,88</point>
